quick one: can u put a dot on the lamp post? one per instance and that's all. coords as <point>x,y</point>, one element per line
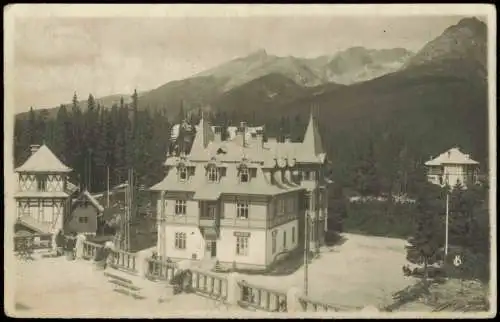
<point>447,228</point>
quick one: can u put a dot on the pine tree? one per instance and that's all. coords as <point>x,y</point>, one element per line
<point>424,245</point>
<point>366,179</point>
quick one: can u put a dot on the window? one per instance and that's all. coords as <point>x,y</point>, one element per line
<point>242,246</point>
<point>180,240</point>
<point>281,206</point>
<point>273,241</point>
<point>180,207</point>
<point>284,239</point>
<point>306,202</point>
<point>83,220</point>
<point>244,174</point>
<point>242,210</point>
<point>293,235</point>
<point>212,174</point>
<point>42,183</point>
<point>183,173</point>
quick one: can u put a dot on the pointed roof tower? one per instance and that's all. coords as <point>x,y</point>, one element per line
<point>43,160</point>
<point>204,135</point>
<point>312,145</point>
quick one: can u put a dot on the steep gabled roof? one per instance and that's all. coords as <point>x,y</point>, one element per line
<point>43,160</point>
<point>93,201</point>
<point>452,156</point>
<point>204,135</point>
<point>312,145</point>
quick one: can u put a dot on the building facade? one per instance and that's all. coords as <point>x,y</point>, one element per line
<point>242,201</point>
<point>84,214</point>
<point>43,196</point>
<point>452,167</point>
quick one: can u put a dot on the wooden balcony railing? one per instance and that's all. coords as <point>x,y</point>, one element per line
<point>124,260</point>
<point>261,298</point>
<point>160,270</point>
<point>209,284</point>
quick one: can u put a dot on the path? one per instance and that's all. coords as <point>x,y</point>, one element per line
<point>57,287</point>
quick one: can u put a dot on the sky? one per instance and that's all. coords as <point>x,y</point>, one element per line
<point>54,57</point>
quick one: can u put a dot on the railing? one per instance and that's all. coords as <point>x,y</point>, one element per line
<point>90,249</point>
<point>261,298</point>
<point>123,260</point>
<point>209,284</point>
<point>35,241</point>
<point>160,270</point>
<point>310,305</point>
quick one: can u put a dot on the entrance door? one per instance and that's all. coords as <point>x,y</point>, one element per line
<point>211,248</point>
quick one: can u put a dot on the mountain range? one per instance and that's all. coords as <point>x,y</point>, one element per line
<point>438,94</point>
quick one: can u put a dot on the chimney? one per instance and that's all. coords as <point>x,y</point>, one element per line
<point>243,131</point>
<point>34,148</point>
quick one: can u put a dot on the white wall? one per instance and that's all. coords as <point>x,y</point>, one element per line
<point>455,173</point>
<point>279,239</point>
<point>226,247</point>
<point>194,242</point>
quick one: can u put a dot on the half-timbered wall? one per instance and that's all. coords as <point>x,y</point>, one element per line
<point>48,211</point>
<point>41,182</point>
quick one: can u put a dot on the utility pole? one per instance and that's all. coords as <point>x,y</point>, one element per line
<point>107,186</point>
<point>161,247</point>
<point>447,215</point>
<point>306,245</point>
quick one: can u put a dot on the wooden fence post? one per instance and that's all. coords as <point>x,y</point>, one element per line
<point>80,239</point>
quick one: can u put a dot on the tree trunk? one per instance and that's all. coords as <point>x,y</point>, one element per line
<point>426,273</point>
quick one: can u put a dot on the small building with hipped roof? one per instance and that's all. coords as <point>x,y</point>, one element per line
<point>452,167</point>
<point>242,201</point>
<point>42,196</point>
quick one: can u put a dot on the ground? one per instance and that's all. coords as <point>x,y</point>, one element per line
<point>58,287</point>
<point>364,270</point>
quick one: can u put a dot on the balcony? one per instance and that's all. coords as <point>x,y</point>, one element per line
<point>207,222</point>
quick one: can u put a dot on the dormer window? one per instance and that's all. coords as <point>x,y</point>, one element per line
<point>212,174</point>
<point>183,173</point>
<point>244,174</point>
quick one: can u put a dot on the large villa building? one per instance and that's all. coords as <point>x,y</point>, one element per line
<point>242,202</point>
<point>452,167</point>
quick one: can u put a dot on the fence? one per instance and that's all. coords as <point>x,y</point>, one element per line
<point>160,270</point>
<point>261,298</point>
<point>90,249</point>
<point>209,284</point>
<point>123,260</point>
<point>310,305</point>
